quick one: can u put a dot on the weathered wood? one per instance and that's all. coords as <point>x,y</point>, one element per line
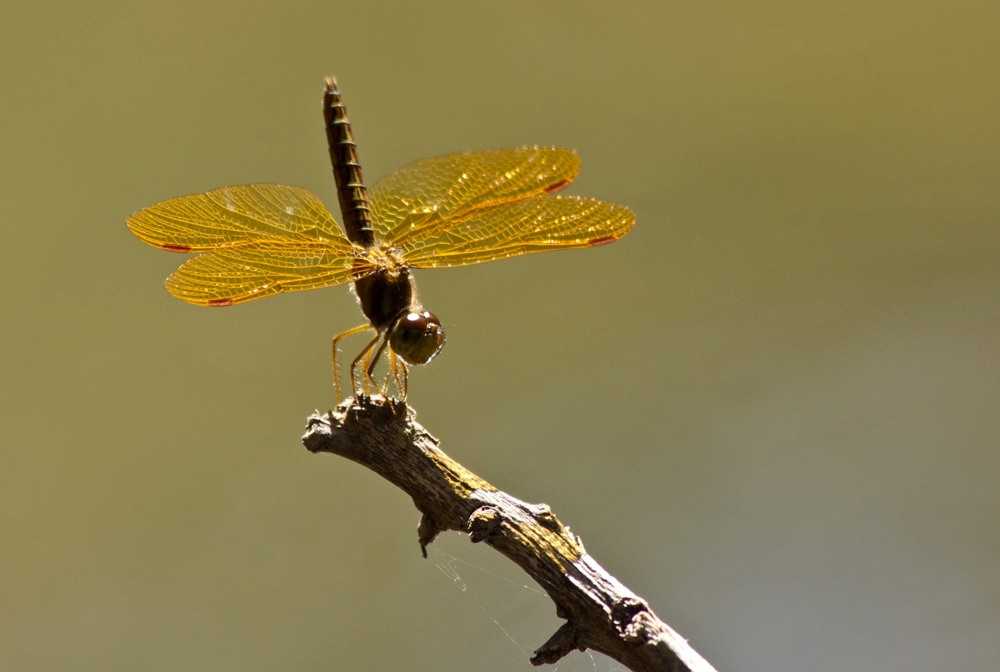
<point>601,613</point>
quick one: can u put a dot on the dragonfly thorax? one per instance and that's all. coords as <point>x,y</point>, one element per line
<point>383,258</point>
<point>385,296</point>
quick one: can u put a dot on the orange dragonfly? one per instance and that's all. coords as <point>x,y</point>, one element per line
<point>259,240</point>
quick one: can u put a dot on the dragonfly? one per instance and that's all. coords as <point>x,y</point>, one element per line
<point>260,240</point>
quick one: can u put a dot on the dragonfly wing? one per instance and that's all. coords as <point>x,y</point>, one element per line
<point>236,216</point>
<point>419,200</point>
<point>231,275</point>
<point>538,225</point>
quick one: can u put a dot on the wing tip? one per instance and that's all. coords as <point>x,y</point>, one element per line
<point>625,217</point>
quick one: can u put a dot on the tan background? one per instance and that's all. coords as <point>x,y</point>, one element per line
<point>771,409</point>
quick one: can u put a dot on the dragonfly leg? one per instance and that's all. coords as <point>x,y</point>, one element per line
<point>395,371</point>
<point>338,337</point>
<point>364,379</point>
<point>399,373</point>
<point>363,355</point>
<point>406,379</point>
<point>370,369</point>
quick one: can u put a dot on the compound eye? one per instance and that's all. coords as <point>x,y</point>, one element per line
<point>417,337</point>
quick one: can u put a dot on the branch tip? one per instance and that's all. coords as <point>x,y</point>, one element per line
<point>427,531</point>
<point>632,619</point>
<point>559,645</point>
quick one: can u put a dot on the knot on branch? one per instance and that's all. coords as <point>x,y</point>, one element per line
<point>543,514</point>
<point>633,619</point>
<point>484,524</point>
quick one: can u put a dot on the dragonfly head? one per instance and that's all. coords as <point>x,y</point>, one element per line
<point>417,337</point>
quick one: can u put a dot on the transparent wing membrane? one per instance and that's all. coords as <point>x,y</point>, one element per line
<point>232,275</point>
<point>236,216</point>
<point>422,199</point>
<point>263,239</point>
<point>538,225</point>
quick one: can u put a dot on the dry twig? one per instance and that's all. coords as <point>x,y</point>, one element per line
<point>601,614</point>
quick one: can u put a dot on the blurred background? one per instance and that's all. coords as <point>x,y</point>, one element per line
<point>771,409</point>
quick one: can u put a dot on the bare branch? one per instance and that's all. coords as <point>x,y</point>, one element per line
<point>601,614</point>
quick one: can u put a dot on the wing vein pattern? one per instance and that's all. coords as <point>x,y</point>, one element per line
<point>262,239</point>
<point>256,240</point>
<point>424,198</point>
<point>237,274</point>
<point>539,225</point>
<point>235,216</point>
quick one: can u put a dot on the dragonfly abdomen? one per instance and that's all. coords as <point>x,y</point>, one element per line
<point>351,190</point>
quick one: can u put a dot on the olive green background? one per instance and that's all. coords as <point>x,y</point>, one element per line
<point>771,409</point>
